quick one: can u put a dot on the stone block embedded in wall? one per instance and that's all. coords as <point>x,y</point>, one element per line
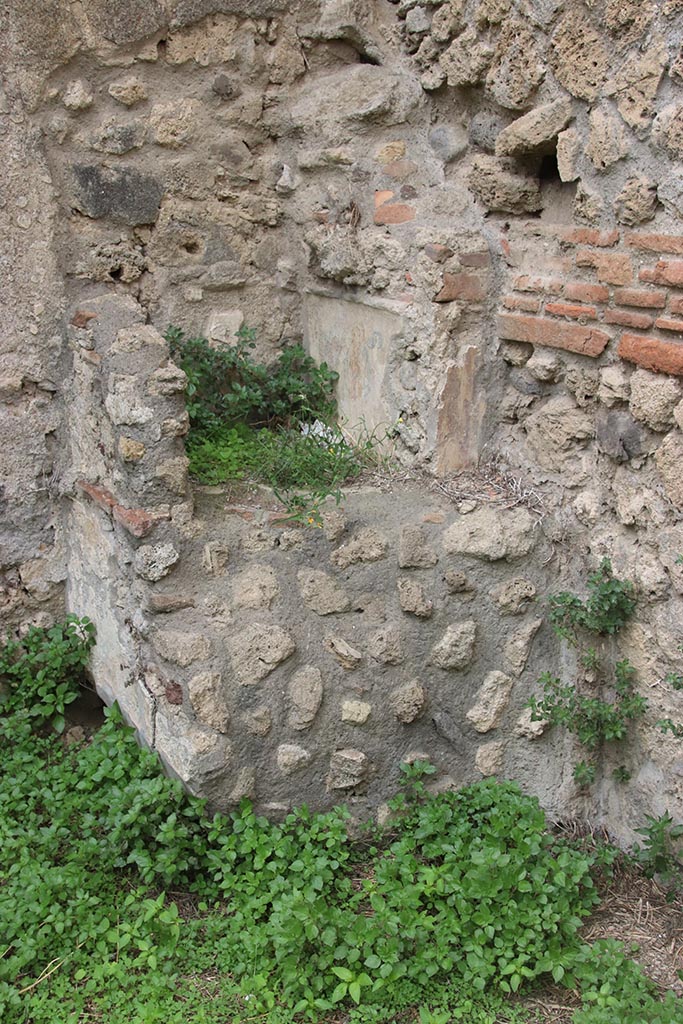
<point>364,344</point>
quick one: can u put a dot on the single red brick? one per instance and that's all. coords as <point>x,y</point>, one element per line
<point>648,275</point>
<point>676,304</point>
<point>665,324</point>
<point>537,284</point>
<point>243,513</point>
<point>652,353</point>
<point>640,297</point>
<point>575,312</point>
<point>524,303</point>
<point>611,267</point>
<point>656,243</point>
<point>626,318</point>
<point>437,253</point>
<point>135,520</point>
<point>590,236</point>
<point>587,341</point>
<point>395,213</point>
<point>461,287</point>
<point>669,272</point>
<point>383,196</point>
<point>82,318</point>
<point>477,260</point>
<point>400,169</point>
<point>581,292</point>
<point>100,495</point>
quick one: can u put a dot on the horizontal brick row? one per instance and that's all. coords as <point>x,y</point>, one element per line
<point>623,293</point>
<point>137,521</point>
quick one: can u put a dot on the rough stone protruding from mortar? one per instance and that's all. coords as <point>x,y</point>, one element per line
<point>181,648</point>
<point>348,768</point>
<point>413,599</point>
<point>366,546</point>
<point>207,700</point>
<point>408,702</point>
<point>347,656</point>
<point>536,129</point>
<point>292,758</point>
<point>490,757</point>
<point>258,722</point>
<point>386,645</point>
<point>492,700</point>
<point>518,647</point>
<point>492,534</point>
<point>513,596</point>
<point>305,694</point>
<point>355,712</point>
<point>455,650</point>
<point>414,550</point>
<point>257,650</point>
<point>527,728</point>
<point>153,562</point>
<point>255,587</point>
<point>322,592</point>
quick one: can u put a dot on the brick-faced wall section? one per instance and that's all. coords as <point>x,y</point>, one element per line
<point>632,282</point>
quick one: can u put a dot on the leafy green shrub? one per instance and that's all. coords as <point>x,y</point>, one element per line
<point>43,669</point>
<point>226,387</point>
<point>614,989</point>
<point>660,853</point>
<point>609,605</point>
<point>463,900</point>
<point>592,720</point>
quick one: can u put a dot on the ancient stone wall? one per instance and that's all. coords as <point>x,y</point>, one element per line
<point>470,208</point>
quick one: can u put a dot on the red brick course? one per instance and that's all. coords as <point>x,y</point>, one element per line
<point>627,318</point>
<point>666,272</point>
<point>580,292</point>
<point>524,303</point>
<point>575,312</point>
<point>461,287</point>
<point>666,324</point>
<point>537,284</point>
<point>611,267</point>
<point>587,341</point>
<point>655,243</point>
<point>590,236</point>
<point>652,353</point>
<point>640,297</point>
<point>135,520</point>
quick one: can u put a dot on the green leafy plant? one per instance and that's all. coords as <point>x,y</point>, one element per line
<point>621,774</point>
<point>592,720</point>
<point>666,725</point>
<point>584,773</point>
<point>226,387</point>
<point>269,424</point>
<point>660,851</point>
<point>609,605</point>
<point>462,900</point>
<point>43,669</point>
<point>674,679</point>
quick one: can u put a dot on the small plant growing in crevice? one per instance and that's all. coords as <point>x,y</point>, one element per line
<point>609,605</point>
<point>580,708</point>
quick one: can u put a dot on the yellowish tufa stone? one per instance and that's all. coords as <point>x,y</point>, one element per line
<point>131,450</point>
